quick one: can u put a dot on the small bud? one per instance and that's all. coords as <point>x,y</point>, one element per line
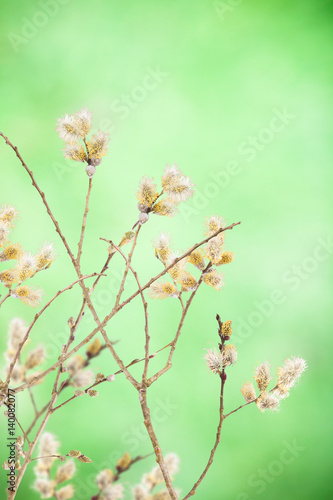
<point>99,377</point>
<point>124,462</point>
<point>90,170</point>
<point>227,329</point>
<point>92,393</point>
<point>62,458</point>
<point>71,322</point>
<point>94,348</point>
<point>95,161</point>
<point>74,453</point>
<point>78,393</point>
<point>143,218</point>
<point>84,459</point>
<point>111,378</point>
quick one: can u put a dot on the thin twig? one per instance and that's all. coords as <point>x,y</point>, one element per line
<point>128,263</point>
<point>144,303</point>
<point>79,253</point>
<point>5,298</point>
<point>217,440</point>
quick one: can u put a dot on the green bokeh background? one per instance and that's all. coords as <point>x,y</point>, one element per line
<point>225,70</point>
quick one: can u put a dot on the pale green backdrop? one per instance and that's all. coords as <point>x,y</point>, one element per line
<point>237,93</point>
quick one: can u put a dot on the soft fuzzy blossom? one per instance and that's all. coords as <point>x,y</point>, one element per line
<point>17,331</point>
<point>35,357</point>
<point>48,445</point>
<point>162,247</point>
<point>104,478</point>
<point>178,187</point>
<point>26,266</point>
<point>46,256</point>
<point>4,231</point>
<point>65,472</point>
<point>27,295</point>
<point>196,259</point>
<point>73,127</point>
<point>75,152</point>
<point>187,282</point>
<point>213,279</point>
<point>146,194</point>
<point>65,493</point>
<point>7,215</point>
<point>44,487</point>
<point>12,251</point>
<point>290,372</point>
<point>213,224</point>
<point>262,376</point>
<point>164,207</point>
<point>163,290</point>
<point>83,378</point>
<point>217,361</point>
<point>214,360</point>
<point>155,477</point>
<point>112,492</point>
<point>267,401</point>
<point>98,147</point>
<point>248,392</point>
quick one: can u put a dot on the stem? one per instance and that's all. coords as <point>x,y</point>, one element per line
<point>217,440</point>
<point>128,263</point>
<point>154,442</point>
<point>79,253</point>
<point>5,298</point>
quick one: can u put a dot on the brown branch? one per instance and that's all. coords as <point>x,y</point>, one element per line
<point>79,253</point>
<point>128,263</point>
<point>144,303</point>
<point>154,441</point>
<point>217,441</point>
<point>5,297</point>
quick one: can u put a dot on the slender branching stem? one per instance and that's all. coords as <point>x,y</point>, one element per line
<point>217,441</point>
<point>84,221</point>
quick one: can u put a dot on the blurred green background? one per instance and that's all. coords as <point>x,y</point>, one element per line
<point>238,94</point>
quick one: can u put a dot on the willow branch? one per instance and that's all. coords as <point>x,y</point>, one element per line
<point>5,298</point>
<point>79,253</point>
<point>144,303</point>
<point>217,441</point>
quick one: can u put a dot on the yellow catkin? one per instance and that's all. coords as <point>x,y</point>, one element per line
<point>124,462</point>
<point>94,348</point>
<point>227,328</point>
<point>196,259</point>
<point>11,252</point>
<point>226,258</point>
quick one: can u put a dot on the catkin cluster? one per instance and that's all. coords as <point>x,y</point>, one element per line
<point>18,265</point>
<point>204,259</point>
<point>73,130</point>
<point>22,370</point>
